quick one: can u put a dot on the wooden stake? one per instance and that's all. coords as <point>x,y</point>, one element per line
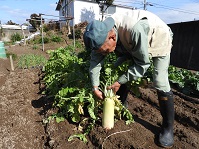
<point>11,63</point>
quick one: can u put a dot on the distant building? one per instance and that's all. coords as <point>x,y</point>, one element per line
<point>6,31</point>
<point>14,27</point>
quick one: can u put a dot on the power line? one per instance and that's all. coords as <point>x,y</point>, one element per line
<point>128,4</point>
<point>157,6</point>
<point>175,9</point>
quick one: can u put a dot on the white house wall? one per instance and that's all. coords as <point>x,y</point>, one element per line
<point>81,11</point>
<point>87,11</point>
<point>123,10</point>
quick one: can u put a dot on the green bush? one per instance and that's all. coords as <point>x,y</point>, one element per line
<point>78,33</point>
<point>55,38</point>
<point>78,44</point>
<point>34,47</point>
<point>45,39</point>
<point>14,56</point>
<point>46,28</point>
<point>16,37</point>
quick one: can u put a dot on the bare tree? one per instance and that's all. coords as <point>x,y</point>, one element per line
<point>11,23</point>
<point>35,20</point>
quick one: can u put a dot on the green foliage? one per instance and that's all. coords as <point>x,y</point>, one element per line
<point>35,20</point>
<point>16,37</point>
<point>185,80</point>
<point>108,73</point>
<point>31,60</point>
<point>1,31</point>
<point>46,28</point>
<point>65,68</point>
<point>34,47</point>
<point>121,69</point>
<point>182,79</point>
<point>55,38</point>
<point>78,44</point>
<point>67,79</point>
<point>58,117</point>
<point>45,40</point>
<point>51,25</point>
<point>6,43</point>
<point>81,136</point>
<point>14,56</point>
<point>78,33</point>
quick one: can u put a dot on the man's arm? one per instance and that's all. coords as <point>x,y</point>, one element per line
<point>139,53</point>
<point>96,63</point>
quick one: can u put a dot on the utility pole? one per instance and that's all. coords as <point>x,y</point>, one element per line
<point>42,32</point>
<point>145,4</point>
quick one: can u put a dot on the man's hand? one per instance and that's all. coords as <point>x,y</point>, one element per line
<point>115,87</point>
<point>98,93</point>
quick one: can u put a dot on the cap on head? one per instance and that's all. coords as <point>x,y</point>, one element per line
<point>96,33</point>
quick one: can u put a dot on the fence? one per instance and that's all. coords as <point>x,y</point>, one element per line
<point>185,51</point>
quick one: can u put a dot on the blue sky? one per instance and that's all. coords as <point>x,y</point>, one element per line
<point>20,10</point>
<point>170,11</point>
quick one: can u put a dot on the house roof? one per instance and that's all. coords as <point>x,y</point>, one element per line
<point>13,27</point>
<point>58,5</point>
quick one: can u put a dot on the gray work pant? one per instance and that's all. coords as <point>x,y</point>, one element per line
<point>160,74</point>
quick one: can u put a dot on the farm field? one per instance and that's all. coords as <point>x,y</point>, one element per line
<point>23,109</point>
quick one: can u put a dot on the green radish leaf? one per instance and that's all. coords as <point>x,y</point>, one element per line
<point>82,137</point>
<point>75,117</point>
<point>59,119</point>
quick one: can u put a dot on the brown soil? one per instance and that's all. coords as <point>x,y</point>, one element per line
<point>23,110</point>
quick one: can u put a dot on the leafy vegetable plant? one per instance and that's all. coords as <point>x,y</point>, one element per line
<point>67,80</point>
<point>31,60</point>
<point>185,80</point>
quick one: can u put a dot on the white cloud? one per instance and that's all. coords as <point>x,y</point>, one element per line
<point>53,5</point>
<point>4,7</point>
<point>20,15</point>
<point>16,15</point>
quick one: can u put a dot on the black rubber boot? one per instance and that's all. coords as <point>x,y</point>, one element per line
<point>123,93</point>
<point>167,111</point>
